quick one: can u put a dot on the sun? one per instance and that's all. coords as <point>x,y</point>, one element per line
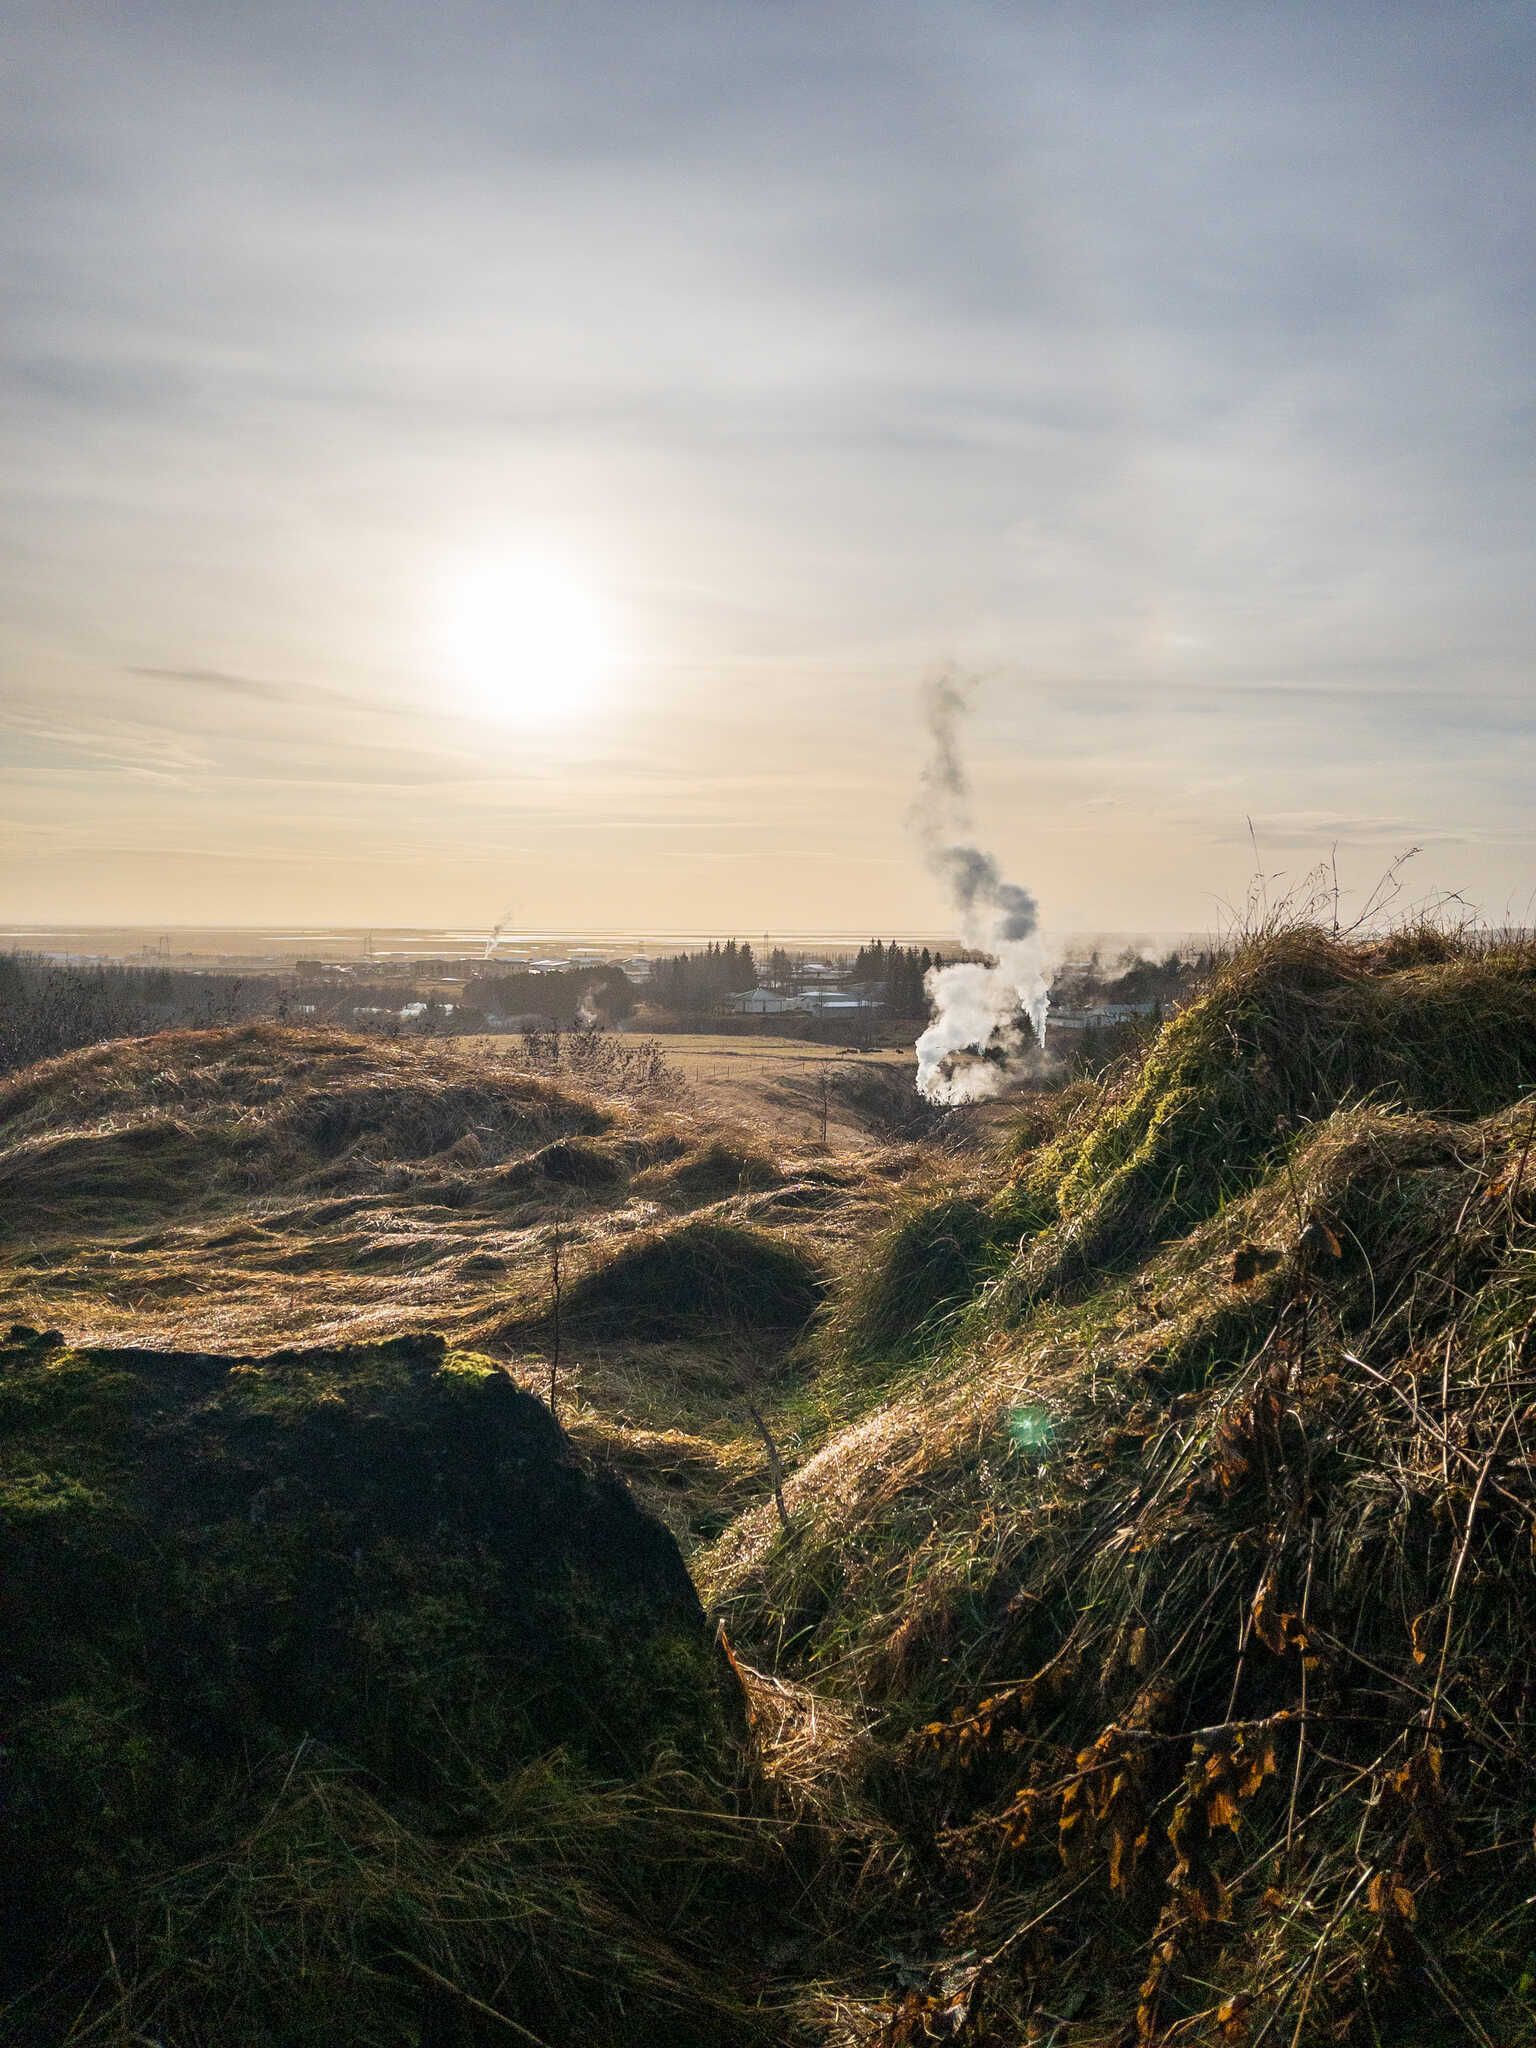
<point>528,639</point>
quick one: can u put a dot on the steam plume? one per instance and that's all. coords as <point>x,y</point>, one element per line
<point>973,1042</point>
<point>494,940</point>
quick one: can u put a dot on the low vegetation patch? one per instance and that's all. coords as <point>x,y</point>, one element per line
<point>1128,1599</point>
<point>702,1275</point>
<point>715,1170</point>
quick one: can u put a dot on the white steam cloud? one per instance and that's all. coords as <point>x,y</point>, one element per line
<point>494,940</point>
<point>974,1042</point>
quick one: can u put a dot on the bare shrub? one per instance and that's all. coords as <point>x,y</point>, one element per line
<point>602,1059</point>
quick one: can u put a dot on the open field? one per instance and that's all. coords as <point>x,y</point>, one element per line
<point>774,1085</point>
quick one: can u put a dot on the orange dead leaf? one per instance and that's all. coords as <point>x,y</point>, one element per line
<point>1390,1898</point>
<point>1232,2016</point>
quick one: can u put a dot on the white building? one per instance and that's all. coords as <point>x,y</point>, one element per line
<point>834,1002</point>
<point>763,1002</point>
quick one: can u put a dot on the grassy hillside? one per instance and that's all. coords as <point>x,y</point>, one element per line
<point>1141,1646</point>
<point>1181,1559</point>
<point>232,1190</point>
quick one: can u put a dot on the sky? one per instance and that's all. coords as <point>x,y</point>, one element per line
<point>1167,369</point>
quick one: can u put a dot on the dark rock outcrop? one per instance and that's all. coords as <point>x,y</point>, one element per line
<point>386,1556</point>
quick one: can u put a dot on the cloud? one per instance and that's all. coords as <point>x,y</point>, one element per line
<point>1146,359</point>
<point>1313,833</point>
<point>221,683</point>
<point>49,746</point>
<point>219,680</point>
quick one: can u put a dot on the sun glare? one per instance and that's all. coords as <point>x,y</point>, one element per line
<point>528,640</point>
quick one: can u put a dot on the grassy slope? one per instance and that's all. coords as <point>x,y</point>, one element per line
<point>1151,1649</point>
<point>233,1189</point>
<point>1181,1559</point>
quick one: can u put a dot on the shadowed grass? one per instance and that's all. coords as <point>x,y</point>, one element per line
<point>561,1909</point>
<point>705,1274</point>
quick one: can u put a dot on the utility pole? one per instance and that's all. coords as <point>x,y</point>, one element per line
<point>556,1289</point>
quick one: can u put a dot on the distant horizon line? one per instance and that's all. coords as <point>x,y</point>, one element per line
<point>508,935</point>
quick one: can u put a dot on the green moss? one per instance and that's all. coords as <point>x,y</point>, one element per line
<point>44,1496</point>
<point>1291,1029</point>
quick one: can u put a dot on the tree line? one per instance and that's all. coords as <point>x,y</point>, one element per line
<point>897,975</point>
<point>53,1006</point>
<point>568,997</point>
<point>694,983</point>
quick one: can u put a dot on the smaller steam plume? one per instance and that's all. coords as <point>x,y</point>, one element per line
<point>975,1040</point>
<point>501,925</point>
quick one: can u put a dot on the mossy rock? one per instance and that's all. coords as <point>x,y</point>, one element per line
<point>387,1559</point>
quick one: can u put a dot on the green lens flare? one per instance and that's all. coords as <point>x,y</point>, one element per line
<point>1031,1430</point>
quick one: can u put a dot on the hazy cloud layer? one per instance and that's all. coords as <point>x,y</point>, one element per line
<point>1170,365</point>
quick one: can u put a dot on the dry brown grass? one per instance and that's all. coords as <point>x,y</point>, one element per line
<point>769,1088</point>
<point>232,1190</point>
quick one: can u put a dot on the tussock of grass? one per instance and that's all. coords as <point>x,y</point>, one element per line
<point>563,1172</point>
<point>903,1293</point>
<point>716,1169</point>
<point>702,1275</point>
<point>796,1198</point>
